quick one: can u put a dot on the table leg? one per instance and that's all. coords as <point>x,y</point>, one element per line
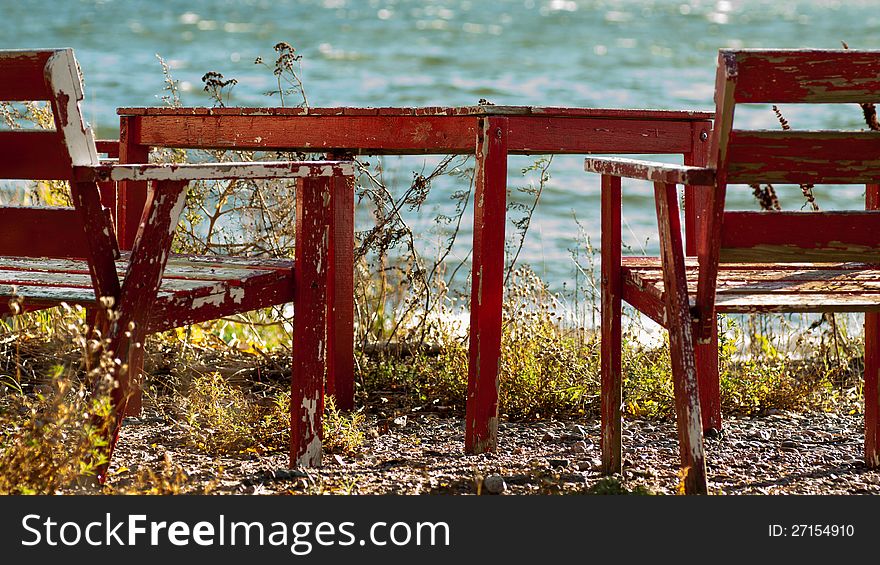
<point>130,201</point>
<point>490,206</point>
<point>340,292</point>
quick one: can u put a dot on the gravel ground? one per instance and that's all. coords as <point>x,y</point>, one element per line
<point>781,453</point>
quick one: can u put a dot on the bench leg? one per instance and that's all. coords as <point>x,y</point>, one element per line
<point>872,391</point>
<point>309,321</point>
<point>872,363</point>
<point>707,376</point>
<point>165,201</point>
<point>134,401</point>
<point>612,381</point>
<point>681,342</point>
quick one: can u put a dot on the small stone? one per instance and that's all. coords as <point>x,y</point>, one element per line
<point>558,462</point>
<point>548,437</point>
<point>494,484</point>
<point>790,444</point>
<point>584,466</point>
<point>399,422</point>
<point>596,464</point>
<point>575,433</point>
<point>580,447</point>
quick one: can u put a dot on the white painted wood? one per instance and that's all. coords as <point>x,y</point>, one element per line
<point>63,78</point>
<point>215,171</point>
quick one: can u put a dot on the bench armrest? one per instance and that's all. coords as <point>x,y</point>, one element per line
<point>212,171</point>
<point>650,170</point>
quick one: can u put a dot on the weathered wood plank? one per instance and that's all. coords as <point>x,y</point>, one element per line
<point>140,287</point>
<point>216,171</point>
<point>800,236</point>
<point>681,342</point>
<point>611,329</point>
<point>208,267</point>
<point>480,110</point>
<point>109,147</point>
<point>872,362</point>
<point>224,298</point>
<point>310,321</point>
<point>706,349</point>
<point>340,293</point>
<point>23,78</point>
<point>540,134</point>
<point>41,232</point>
<point>639,262</point>
<point>801,157</point>
<point>356,134</point>
<point>804,75</point>
<point>62,75</point>
<point>646,294</point>
<point>132,196</point>
<point>39,154</point>
<point>487,287</point>
<point>650,170</point>
<point>646,300</point>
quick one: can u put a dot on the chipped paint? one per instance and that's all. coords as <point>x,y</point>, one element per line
<point>312,454</point>
<point>237,295</point>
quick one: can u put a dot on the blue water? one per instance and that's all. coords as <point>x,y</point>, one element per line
<point>602,53</point>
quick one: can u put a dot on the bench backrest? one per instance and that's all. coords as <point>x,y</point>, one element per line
<point>796,157</point>
<point>44,75</point>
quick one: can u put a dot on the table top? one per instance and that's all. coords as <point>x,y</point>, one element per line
<point>436,111</point>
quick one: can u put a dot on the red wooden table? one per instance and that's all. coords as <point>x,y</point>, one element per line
<point>490,132</point>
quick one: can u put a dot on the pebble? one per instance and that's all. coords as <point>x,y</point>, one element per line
<point>399,422</point>
<point>494,484</point>
<point>575,433</point>
<point>580,447</point>
<point>558,462</point>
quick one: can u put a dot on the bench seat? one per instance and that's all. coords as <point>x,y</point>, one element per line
<point>760,287</point>
<point>194,288</point>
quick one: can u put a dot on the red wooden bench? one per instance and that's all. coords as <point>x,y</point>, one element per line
<point>54,255</point>
<point>749,261</point>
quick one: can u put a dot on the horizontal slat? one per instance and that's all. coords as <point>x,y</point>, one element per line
<point>224,299</point>
<point>218,171</point>
<point>650,170</point>
<point>573,134</point>
<point>482,110</point>
<point>805,75</point>
<point>194,289</point>
<point>109,147</point>
<point>359,134</point>
<point>800,236</point>
<point>212,267</point>
<point>801,157</point>
<point>855,268</point>
<point>38,155</point>
<point>746,289</point>
<point>22,75</point>
<point>41,232</point>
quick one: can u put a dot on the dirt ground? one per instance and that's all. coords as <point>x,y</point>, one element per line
<point>423,453</point>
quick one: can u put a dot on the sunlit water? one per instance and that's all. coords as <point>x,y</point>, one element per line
<point>612,53</point>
